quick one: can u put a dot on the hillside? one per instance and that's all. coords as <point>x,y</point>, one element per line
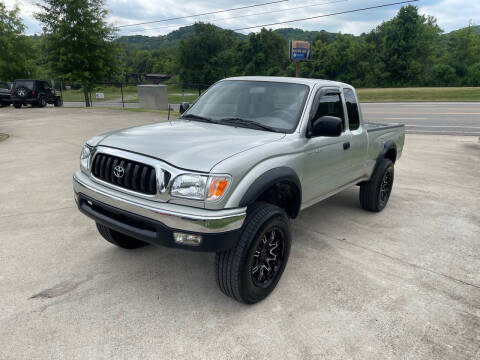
<point>162,41</point>
<point>299,34</point>
<point>142,42</point>
<point>172,39</point>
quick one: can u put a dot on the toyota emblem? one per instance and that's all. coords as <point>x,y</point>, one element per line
<point>118,171</point>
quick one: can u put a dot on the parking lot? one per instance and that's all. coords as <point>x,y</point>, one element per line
<point>403,283</point>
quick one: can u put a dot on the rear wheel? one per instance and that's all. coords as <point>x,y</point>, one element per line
<point>58,102</point>
<point>251,270</point>
<point>375,193</point>
<point>42,102</point>
<point>119,239</point>
<point>17,105</point>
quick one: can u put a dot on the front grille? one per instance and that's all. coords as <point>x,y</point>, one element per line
<point>135,176</point>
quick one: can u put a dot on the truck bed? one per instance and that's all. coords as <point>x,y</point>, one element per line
<point>370,126</point>
<point>380,134</point>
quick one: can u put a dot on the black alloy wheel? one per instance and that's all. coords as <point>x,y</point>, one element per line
<point>386,186</point>
<point>251,270</point>
<point>268,257</point>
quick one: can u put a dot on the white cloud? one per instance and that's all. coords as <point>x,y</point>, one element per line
<point>451,14</point>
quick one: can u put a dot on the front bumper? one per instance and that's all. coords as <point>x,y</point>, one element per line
<point>155,222</point>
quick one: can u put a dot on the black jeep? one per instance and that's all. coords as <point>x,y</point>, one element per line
<point>35,92</point>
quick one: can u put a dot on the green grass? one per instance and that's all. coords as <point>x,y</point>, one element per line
<point>366,95</point>
<point>419,94</point>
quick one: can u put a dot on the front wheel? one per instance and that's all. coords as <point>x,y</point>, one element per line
<point>374,194</point>
<point>251,270</point>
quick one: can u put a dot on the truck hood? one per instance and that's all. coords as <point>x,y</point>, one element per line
<point>188,144</point>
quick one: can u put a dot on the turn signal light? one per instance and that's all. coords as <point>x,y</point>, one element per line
<point>217,187</point>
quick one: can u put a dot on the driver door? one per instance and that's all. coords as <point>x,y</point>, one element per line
<point>326,158</point>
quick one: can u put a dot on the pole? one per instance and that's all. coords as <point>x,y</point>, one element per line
<point>121,89</point>
<point>297,69</point>
<point>183,95</point>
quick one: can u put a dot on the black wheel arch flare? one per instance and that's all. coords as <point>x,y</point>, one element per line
<point>272,177</point>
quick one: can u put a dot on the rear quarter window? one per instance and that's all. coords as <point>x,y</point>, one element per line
<point>24,83</point>
<point>352,109</point>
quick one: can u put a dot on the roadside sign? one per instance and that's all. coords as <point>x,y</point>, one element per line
<point>300,50</point>
<point>100,95</point>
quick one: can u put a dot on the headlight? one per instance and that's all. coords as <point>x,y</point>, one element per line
<point>189,186</point>
<point>85,158</point>
<point>200,187</point>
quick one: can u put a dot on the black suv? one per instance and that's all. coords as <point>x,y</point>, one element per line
<point>35,92</point>
<point>5,99</point>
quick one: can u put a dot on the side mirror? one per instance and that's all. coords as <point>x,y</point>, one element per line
<point>326,126</point>
<point>184,107</point>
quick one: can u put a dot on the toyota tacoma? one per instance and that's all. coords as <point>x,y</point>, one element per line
<point>229,174</point>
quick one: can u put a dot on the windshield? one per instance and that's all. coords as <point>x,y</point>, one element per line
<point>271,104</point>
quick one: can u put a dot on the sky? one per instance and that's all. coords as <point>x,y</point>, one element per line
<point>450,14</point>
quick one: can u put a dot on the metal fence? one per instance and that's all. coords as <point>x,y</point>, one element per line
<point>125,95</point>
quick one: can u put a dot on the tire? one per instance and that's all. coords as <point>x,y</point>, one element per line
<point>237,270</point>
<point>17,105</point>
<point>119,239</point>
<point>41,102</point>
<point>374,194</point>
<point>58,102</point>
<point>22,92</point>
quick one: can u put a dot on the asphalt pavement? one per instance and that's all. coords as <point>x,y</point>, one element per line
<point>419,118</point>
<point>428,118</point>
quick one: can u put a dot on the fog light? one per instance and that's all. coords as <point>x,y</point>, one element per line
<point>187,239</point>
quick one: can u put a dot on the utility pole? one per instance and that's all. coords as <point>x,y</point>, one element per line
<point>297,69</point>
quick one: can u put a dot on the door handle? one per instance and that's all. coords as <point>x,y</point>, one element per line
<point>346,145</point>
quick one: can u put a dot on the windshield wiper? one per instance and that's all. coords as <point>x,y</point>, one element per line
<point>198,117</point>
<point>248,123</point>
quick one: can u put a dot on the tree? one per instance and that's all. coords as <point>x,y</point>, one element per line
<point>264,53</point>
<point>463,52</point>
<point>207,55</point>
<point>78,41</point>
<point>15,59</point>
<point>406,46</point>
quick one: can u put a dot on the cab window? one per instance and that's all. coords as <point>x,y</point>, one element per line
<point>329,104</point>
<point>352,109</point>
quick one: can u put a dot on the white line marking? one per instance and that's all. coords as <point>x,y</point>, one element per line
<point>444,126</point>
<point>444,132</point>
<point>405,118</point>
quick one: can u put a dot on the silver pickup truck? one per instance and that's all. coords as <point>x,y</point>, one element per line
<point>230,173</point>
